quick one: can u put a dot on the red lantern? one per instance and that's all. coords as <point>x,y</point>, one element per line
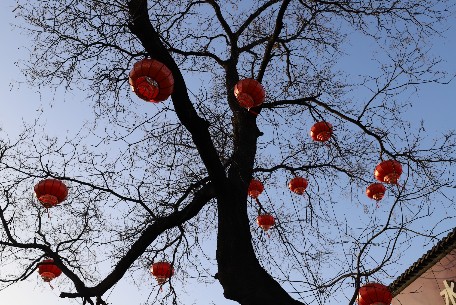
<point>162,271</point>
<point>51,192</point>
<point>321,131</point>
<point>255,188</point>
<point>48,270</point>
<point>265,221</point>
<point>376,191</point>
<point>388,171</point>
<point>374,294</point>
<point>249,93</point>
<point>151,80</point>
<point>298,185</point>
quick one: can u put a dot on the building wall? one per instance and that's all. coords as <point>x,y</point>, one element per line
<point>434,287</point>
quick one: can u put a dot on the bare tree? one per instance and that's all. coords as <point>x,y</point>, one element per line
<point>160,185</point>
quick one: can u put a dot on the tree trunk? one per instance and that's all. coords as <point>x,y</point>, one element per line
<point>239,272</point>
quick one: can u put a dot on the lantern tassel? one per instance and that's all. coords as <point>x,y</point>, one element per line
<point>252,112</point>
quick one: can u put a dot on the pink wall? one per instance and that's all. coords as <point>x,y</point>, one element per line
<point>426,289</point>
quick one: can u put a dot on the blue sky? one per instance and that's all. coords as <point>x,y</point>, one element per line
<point>435,104</point>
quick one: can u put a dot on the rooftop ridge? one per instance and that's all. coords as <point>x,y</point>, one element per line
<point>429,259</point>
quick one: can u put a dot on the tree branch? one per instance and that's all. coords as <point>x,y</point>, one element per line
<point>201,198</point>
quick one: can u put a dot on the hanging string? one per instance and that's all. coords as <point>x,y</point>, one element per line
<point>260,207</point>
<point>307,206</point>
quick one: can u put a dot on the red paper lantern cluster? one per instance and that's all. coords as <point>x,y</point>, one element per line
<point>321,131</point>
<point>48,270</point>
<point>374,294</point>
<point>162,271</point>
<point>376,191</point>
<point>388,171</point>
<point>51,192</point>
<point>255,188</point>
<point>298,185</point>
<point>151,80</point>
<point>249,93</point>
<point>265,221</point>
